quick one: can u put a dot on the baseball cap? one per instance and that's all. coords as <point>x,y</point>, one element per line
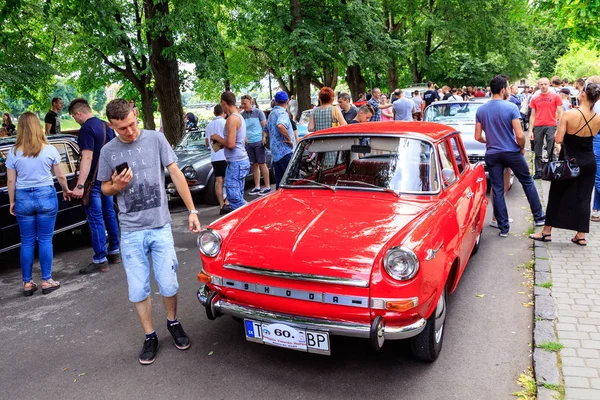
<point>281,97</point>
<point>565,91</point>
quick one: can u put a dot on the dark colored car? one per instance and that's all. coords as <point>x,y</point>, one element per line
<point>193,159</point>
<point>70,215</point>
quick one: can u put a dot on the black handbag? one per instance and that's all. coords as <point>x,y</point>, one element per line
<point>559,170</point>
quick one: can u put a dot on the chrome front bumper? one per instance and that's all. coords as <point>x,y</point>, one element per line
<point>218,306</point>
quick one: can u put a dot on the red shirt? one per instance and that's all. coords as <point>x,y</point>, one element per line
<point>545,108</point>
<point>479,93</point>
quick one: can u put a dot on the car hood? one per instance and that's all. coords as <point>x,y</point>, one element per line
<point>192,157</point>
<point>318,232</point>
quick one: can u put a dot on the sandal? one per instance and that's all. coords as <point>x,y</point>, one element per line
<point>28,290</point>
<point>578,241</point>
<point>544,237</point>
<point>50,286</point>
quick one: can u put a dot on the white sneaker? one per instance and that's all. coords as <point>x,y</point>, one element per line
<point>494,223</point>
<point>595,216</point>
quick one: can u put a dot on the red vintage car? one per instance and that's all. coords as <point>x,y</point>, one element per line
<point>371,229</point>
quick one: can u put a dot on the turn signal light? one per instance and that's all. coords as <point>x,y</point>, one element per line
<point>401,305</point>
<point>204,278</point>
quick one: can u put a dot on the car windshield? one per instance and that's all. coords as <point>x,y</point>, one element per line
<point>305,117</point>
<point>452,113</point>
<point>365,162</point>
<point>193,140</point>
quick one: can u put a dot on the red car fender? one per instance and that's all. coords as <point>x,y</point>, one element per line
<point>436,231</point>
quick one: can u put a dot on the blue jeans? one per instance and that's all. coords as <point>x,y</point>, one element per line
<point>515,161</point>
<point>135,248</point>
<point>102,218</point>
<point>279,168</point>
<point>36,210</point>
<point>597,180</point>
<point>235,180</point>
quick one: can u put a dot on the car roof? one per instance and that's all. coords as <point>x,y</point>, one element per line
<point>11,140</point>
<point>423,130</point>
<point>443,102</point>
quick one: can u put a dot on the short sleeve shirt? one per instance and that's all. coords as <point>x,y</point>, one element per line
<point>350,114</point>
<point>278,148</point>
<point>33,171</point>
<point>377,114</point>
<point>91,137</point>
<point>403,109</point>
<point>545,108</point>
<point>254,128</point>
<point>216,126</point>
<point>430,96</point>
<point>53,119</point>
<point>143,202</point>
<point>496,118</point>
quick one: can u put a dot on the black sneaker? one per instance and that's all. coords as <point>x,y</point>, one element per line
<point>94,267</point>
<point>182,342</point>
<point>149,350</point>
<point>226,209</point>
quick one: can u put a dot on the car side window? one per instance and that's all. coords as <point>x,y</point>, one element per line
<point>458,155</point>
<point>447,164</point>
<point>67,163</point>
<point>3,177</point>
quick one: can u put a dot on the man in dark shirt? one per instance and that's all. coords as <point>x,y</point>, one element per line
<point>93,135</point>
<point>52,119</point>
<point>430,95</point>
<point>349,110</point>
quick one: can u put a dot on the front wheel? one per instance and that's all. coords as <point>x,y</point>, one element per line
<point>427,345</point>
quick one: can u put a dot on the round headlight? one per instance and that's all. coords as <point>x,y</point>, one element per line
<point>401,263</point>
<point>189,172</point>
<point>209,243</point>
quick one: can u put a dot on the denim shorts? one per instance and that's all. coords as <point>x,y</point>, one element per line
<point>135,248</point>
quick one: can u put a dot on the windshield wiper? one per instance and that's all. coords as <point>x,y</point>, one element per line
<point>371,185</point>
<point>311,181</point>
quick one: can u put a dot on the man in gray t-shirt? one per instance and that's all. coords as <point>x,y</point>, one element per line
<point>131,167</point>
<point>403,108</point>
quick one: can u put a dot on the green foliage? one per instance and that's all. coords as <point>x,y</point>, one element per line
<point>579,61</point>
<point>546,285</point>
<point>580,18</point>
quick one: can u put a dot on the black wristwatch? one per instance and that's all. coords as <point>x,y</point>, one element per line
<point>79,186</point>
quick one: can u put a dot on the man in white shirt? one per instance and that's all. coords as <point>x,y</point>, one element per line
<point>217,158</point>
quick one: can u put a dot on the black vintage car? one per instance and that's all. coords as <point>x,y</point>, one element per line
<point>70,215</point>
<point>193,159</point>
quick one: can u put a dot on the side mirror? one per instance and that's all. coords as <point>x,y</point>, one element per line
<point>448,176</point>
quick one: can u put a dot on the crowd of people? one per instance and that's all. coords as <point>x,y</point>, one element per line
<point>118,159</point>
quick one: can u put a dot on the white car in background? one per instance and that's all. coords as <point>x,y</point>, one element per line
<point>461,116</point>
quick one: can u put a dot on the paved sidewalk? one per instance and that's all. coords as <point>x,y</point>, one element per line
<point>575,277</point>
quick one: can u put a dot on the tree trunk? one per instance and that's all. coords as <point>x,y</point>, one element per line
<point>417,75</point>
<point>166,73</point>
<point>392,79</point>
<point>356,82</point>
<point>303,92</point>
<point>148,109</point>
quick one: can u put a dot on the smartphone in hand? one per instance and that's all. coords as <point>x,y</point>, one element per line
<point>121,167</point>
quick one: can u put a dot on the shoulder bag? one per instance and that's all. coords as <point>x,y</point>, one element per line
<point>559,170</point>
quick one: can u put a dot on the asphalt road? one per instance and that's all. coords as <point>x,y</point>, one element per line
<point>82,341</point>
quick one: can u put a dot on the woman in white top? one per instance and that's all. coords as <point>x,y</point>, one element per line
<point>33,198</point>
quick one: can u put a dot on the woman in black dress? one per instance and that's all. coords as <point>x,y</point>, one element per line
<point>569,200</point>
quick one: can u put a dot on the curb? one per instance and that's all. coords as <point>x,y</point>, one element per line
<point>545,363</point>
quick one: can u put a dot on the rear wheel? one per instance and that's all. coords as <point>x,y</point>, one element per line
<point>428,344</point>
<point>210,193</point>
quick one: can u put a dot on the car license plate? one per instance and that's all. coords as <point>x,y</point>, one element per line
<point>282,335</point>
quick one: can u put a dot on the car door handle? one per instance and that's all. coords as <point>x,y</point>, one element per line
<point>479,180</point>
<point>469,194</point>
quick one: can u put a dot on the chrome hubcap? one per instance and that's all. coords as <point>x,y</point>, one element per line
<point>440,317</point>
